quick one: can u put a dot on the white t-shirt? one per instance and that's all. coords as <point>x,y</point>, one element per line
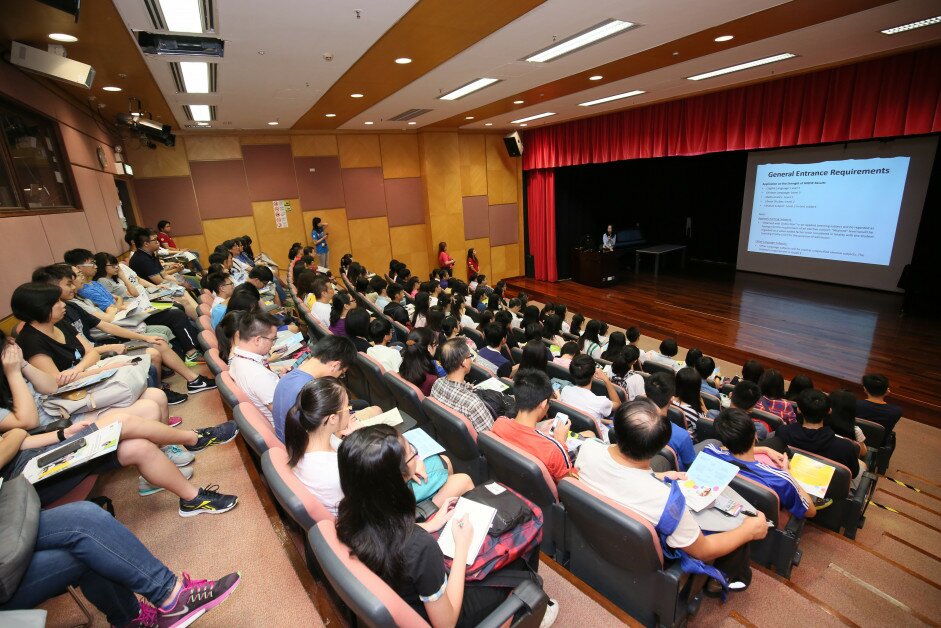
<point>320,473</point>
<point>467,321</point>
<point>659,358</point>
<point>133,278</point>
<point>322,312</point>
<point>635,488</point>
<point>583,399</point>
<point>389,357</point>
<point>257,380</point>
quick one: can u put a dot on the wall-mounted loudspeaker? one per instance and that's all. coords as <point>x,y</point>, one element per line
<point>514,145</point>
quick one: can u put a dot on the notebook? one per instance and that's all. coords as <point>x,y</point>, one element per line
<point>479,515</point>
<point>390,418</point>
<point>425,445</point>
<point>86,381</point>
<point>491,383</point>
<point>813,476</point>
<point>706,478</point>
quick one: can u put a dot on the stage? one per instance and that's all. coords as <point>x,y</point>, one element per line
<point>835,334</point>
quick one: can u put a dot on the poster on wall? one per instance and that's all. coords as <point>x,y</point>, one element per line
<point>281,209</point>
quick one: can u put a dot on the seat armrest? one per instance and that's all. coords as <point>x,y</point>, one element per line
<point>527,599</point>
<point>795,527</point>
<point>866,485</point>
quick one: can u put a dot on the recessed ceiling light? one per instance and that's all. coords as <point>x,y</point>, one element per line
<point>524,124</point>
<point>403,60</point>
<point>742,66</point>
<point>273,123</point>
<point>721,38</point>
<point>468,117</point>
<point>535,117</point>
<point>195,76</point>
<point>63,37</point>
<point>592,103</point>
<point>413,122</point>
<point>464,90</point>
<point>517,102</point>
<point>202,124</point>
<point>182,16</point>
<point>356,95</point>
<point>200,113</point>
<point>488,123</point>
<point>593,35</point>
<point>330,115</point>
<point>904,27</point>
<point>596,77</point>
<point>368,122</point>
<point>111,88</point>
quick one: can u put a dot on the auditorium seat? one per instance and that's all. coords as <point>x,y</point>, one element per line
<point>231,394</point>
<point>617,552</point>
<point>668,454</point>
<point>204,309</point>
<point>204,323</point>
<point>207,340</point>
<point>581,420</point>
<point>255,429</point>
<point>711,401</point>
<point>408,399</point>
<point>476,336</point>
<point>457,435</point>
<point>705,429</point>
<point>676,416</point>
<point>315,328</point>
<point>375,604</point>
<point>779,549</point>
<point>526,474</point>
<point>517,335</point>
<point>877,442</point>
<point>598,387</point>
<point>558,371</point>
<point>479,374</point>
<point>847,513</point>
<point>773,420</point>
<point>655,367</point>
<point>356,381</point>
<point>295,498</point>
<point>214,362</point>
<point>379,393</point>
<point>399,331</point>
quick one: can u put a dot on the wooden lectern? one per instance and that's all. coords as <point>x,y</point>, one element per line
<point>595,268</point>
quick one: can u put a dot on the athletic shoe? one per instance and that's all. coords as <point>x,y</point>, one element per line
<point>200,384</point>
<point>178,456</point>
<point>175,421</point>
<point>552,613</point>
<point>146,618</point>
<point>208,501</point>
<point>196,598</point>
<point>216,435</point>
<point>820,503</point>
<point>194,357</point>
<point>146,488</point>
<point>174,397</point>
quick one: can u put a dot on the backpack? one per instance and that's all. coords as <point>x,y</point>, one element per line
<point>497,403</point>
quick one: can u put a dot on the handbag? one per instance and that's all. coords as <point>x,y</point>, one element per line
<point>511,509</point>
<point>19,525</point>
<point>120,390</point>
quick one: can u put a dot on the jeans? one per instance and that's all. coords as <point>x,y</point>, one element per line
<point>179,324</point>
<point>81,544</point>
<point>324,259</point>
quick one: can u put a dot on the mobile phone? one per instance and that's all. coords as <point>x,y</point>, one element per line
<point>726,506</point>
<point>559,419</point>
<point>61,452</point>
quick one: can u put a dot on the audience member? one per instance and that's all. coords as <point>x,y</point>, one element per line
<point>799,384</point>
<point>842,418</point>
<point>491,357</point>
<point>417,366</point>
<point>706,367</point>
<point>625,371</point>
<point>616,344</point>
<point>772,398</point>
<point>357,328</point>
<point>752,370</point>
<point>340,307</point>
<point>534,356</point>
<point>568,351</point>
<point>688,399</point>
<point>666,356</point>
<point>582,370</point>
<point>380,332</point>
<point>395,310</point>
<point>633,335</point>
<point>660,388</point>
<point>248,364</point>
<point>221,286</point>
<point>744,397</point>
<point>420,316</point>
<point>874,407</point>
<point>320,299</point>
<point>454,392</point>
<point>590,343</point>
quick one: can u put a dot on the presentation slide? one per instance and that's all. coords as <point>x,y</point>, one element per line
<point>837,210</point>
<point>839,213</point>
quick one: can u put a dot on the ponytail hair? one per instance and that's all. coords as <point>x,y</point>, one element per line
<point>317,400</point>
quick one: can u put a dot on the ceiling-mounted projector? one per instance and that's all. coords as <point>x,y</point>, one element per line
<point>51,65</point>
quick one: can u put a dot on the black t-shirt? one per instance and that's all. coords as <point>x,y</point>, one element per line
<point>145,265</point>
<point>33,342</point>
<point>885,414</point>
<point>362,345</point>
<point>821,441</point>
<point>424,570</point>
<point>82,321</point>
<point>397,312</point>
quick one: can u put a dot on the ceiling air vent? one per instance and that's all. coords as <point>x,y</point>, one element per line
<point>408,115</point>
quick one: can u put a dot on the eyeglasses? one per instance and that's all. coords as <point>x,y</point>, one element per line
<point>414,452</point>
<point>89,264</point>
<point>271,339</point>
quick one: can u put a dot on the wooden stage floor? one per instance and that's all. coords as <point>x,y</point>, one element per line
<point>835,334</point>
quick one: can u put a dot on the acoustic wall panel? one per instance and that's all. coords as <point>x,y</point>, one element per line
<point>365,192</point>
<point>270,172</point>
<point>504,226</point>
<point>319,182</point>
<point>405,202</point>
<point>221,188</point>
<point>168,198</point>
<point>476,217</point>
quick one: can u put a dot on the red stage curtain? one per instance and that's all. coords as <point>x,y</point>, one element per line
<point>889,97</point>
<point>540,196</point>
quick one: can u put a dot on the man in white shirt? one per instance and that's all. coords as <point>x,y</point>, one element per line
<point>323,291</point>
<point>380,332</point>
<point>666,355</point>
<point>248,365</point>
<point>622,473</point>
<point>582,369</point>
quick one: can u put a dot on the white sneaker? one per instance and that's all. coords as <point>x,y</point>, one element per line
<point>146,488</point>
<point>178,455</point>
<point>552,613</point>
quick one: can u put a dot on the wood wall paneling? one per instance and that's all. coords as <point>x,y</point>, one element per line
<point>314,145</point>
<point>24,248</point>
<point>81,149</point>
<point>476,217</point>
<point>198,243</point>
<point>482,248</point>
<point>168,198</point>
<point>359,151</point>
<point>501,172</point>
<point>66,231</point>
<point>399,156</point>
<point>211,148</point>
<point>270,172</point>
<point>264,139</point>
<point>109,193</point>
<point>221,229</point>
<point>339,235</point>
<point>409,247</point>
<point>441,168</point>
<point>505,260</point>
<point>274,240</point>
<point>405,201</point>
<point>504,227</point>
<point>160,162</point>
<point>364,189</point>
<point>371,245</point>
<point>319,183</point>
<point>473,165</point>
<point>221,188</point>
<point>96,214</point>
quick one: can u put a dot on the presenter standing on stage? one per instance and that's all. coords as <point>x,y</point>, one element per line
<point>608,239</point>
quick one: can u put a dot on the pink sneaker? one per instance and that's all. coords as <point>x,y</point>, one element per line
<point>175,421</point>
<point>196,598</point>
<point>146,618</point>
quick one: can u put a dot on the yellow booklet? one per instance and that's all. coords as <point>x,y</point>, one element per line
<point>813,476</point>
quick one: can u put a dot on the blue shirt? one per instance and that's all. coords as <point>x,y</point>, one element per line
<point>706,387</point>
<point>316,235</point>
<point>285,396</point>
<point>777,480</point>
<point>217,313</point>
<point>496,358</point>
<point>97,294</point>
<point>682,444</point>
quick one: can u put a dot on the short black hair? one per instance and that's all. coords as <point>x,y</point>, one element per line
<point>77,256</point>
<point>162,224</point>
<point>569,348</point>
<point>494,333</point>
<point>735,430</point>
<point>514,303</point>
<point>214,281</point>
<point>453,353</point>
<point>33,302</point>
<point>142,236</point>
<point>692,356</point>
<point>130,234</point>
<point>641,431</point>
<point>582,369</point>
<point>531,388</point>
<point>633,333</point>
<point>745,394</point>
<point>319,286</point>
<point>357,323</point>
<point>771,383</point>
<point>379,328</point>
<point>752,370</point>
<point>255,323</point>
<point>876,384</point>
<point>705,366</point>
<point>668,347</point>
<point>54,273</point>
<point>335,349</point>
<point>262,274</point>
<point>814,405</point>
<point>660,388</point>
<point>377,284</point>
<point>218,258</point>
<point>393,291</point>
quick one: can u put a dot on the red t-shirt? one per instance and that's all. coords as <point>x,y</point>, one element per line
<point>543,447</point>
<point>166,241</point>
<point>473,265</point>
<point>444,260</point>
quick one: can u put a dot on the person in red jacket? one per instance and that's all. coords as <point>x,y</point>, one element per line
<point>445,262</point>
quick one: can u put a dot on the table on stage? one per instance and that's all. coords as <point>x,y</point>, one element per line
<point>657,251</point>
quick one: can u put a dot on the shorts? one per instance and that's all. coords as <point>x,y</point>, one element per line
<point>437,476</point>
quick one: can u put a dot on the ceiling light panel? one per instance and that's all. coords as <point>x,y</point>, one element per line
<point>912,26</point>
<point>182,16</point>
<point>469,88</point>
<point>593,35</point>
<point>195,76</point>
<point>592,103</point>
<point>535,117</point>
<point>742,66</point>
<point>200,113</point>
